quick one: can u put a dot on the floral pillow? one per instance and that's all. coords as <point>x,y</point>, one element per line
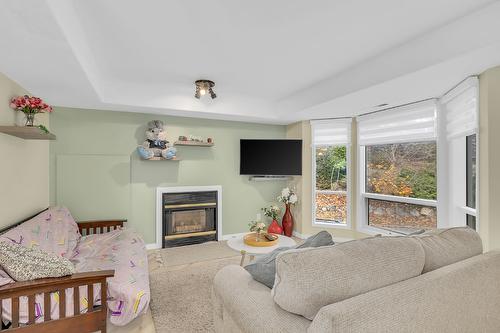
<point>53,231</point>
<point>25,264</point>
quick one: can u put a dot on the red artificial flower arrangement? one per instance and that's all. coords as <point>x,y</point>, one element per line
<point>30,104</point>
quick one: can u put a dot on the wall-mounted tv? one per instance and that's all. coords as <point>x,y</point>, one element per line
<point>270,157</point>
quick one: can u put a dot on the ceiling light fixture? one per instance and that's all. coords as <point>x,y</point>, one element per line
<point>204,86</point>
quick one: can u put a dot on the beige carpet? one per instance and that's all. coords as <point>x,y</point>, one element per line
<point>181,284</point>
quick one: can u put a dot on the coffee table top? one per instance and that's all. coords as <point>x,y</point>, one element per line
<point>236,243</point>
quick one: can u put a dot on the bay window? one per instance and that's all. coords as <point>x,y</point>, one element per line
<point>330,165</point>
<point>417,166</point>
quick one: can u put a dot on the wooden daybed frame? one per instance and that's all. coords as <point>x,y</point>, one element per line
<point>93,320</point>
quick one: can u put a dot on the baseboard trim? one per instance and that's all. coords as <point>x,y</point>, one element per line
<point>152,246</point>
<point>229,236</point>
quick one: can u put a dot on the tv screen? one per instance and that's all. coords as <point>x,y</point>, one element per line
<point>271,157</point>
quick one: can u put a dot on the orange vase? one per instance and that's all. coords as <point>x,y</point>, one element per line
<point>275,228</point>
<point>287,222</point>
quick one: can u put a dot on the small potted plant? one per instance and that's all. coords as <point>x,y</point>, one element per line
<point>273,212</point>
<point>288,197</point>
<point>30,106</point>
<point>257,227</point>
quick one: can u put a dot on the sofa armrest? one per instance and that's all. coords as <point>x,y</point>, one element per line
<point>91,227</point>
<point>250,304</point>
<point>461,297</point>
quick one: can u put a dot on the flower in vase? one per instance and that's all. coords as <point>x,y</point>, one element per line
<point>29,104</point>
<point>288,196</point>
<point>257,226</point>
<point>272,211</point>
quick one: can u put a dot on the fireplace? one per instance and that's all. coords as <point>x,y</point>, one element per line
<point>189,217</point>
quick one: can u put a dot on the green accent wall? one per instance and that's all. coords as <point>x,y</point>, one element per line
<point>96,172</point>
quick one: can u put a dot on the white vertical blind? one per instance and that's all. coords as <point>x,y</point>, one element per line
<point>461,109</point>
<point>410,123</point>
<point>331,132</point>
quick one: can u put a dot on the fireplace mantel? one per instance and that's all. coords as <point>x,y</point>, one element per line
<point>178,189</point>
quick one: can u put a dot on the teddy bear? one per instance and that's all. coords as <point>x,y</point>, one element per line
<point>156,144</point>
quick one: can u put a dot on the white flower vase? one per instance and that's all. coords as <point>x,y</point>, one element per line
<point>20,118</point>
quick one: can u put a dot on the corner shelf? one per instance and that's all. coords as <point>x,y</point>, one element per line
<point>193,143</point>
<point>27,132</point>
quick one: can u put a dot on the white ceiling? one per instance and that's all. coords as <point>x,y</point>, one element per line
<point>273,61</point>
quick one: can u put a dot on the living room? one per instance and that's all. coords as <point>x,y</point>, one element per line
<point>241,167</point>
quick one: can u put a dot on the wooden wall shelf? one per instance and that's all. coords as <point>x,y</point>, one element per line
<point>27,132</point>
<point>162,159</point>
<point>193,143</point>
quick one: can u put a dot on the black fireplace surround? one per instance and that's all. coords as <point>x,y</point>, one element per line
<point>189,218</point>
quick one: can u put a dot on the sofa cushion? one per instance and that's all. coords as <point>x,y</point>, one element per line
<point>308,279</point>
<point>53,231</point>
<point>461,297</point>
<point>263,269</point>
<point>447,246</point>
<point>25,264</point>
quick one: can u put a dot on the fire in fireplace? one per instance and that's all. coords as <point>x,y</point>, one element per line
<point>189,218</point>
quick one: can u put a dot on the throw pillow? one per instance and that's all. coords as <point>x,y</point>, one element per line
<point>54,231</point>
<point>24,264</point>
<point>263,269</point>
<point>446,246</point>
<point>322,238</point>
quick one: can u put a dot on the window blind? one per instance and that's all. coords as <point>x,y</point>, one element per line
<point>331,132</point>
<point>461,109</point>
<point>410,123</point>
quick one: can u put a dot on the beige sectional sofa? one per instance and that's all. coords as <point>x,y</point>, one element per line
<point>435,282</point>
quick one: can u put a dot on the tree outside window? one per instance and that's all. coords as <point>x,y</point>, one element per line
<point>331,184</point>
<point>401,170</point>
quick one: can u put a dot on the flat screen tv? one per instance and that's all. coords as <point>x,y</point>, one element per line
<point>271,157</point>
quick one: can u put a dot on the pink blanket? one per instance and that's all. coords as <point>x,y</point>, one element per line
<point>123,251</point>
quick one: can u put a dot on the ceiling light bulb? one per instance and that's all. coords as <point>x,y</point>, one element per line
<point>204,87</point>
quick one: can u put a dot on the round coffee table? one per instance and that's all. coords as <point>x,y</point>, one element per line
<point>236,243</point>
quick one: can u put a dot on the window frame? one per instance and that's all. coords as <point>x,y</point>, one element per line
<point>471,211</point>
<point>334,225</point>
<point>362,211</point>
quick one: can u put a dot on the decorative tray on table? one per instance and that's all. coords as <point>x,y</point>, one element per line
<point>251,239</point>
